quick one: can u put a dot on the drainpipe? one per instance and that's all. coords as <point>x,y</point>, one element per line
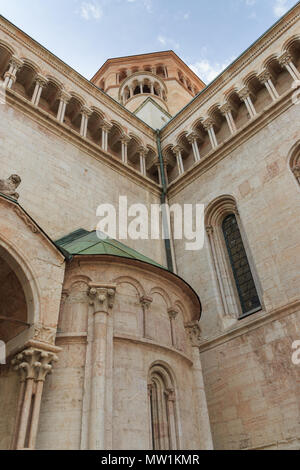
<point>163,198</point>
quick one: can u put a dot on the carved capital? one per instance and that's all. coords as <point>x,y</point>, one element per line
<point>146,302</point>
<point>101,297</point>
<point>208,123</point>
<point>226,108</point>
<point>106,126</point>
<point>34,364</point>
<point>177,150</point>
<point>172,313</point>
<point>192,137</point>
<point>194,332</point>
<point>285,59</point>
<point>244,93</point>
<point>125,139</point>
<point>170,395</point>
<point>41,80</point>
<point>265,76</point>
<point>65,97</point>
<point>86,111</point>
<point>142,151</point>
<point>15,63</point>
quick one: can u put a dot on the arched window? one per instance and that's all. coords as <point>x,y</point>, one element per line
<point>244,281</point>
<point>236,278</point>
<point>162,406</point>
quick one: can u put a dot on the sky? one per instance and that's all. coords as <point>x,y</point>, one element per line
<point>206,34</point>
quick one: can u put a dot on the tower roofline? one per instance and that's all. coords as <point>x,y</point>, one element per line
<point>147,54</point>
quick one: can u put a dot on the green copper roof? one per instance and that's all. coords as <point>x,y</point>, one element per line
<point>82,242</point>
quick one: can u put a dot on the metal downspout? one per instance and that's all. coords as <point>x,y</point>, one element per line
<point>163,201</point>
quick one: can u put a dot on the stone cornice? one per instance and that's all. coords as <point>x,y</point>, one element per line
<point>233,71</point>
<point>30,223</point>
<point>250,324</point>
<point>71,75</point>
<point>232,143</point>
<point>152,55</point>
<point>148,342</point>
<point>42,118</point>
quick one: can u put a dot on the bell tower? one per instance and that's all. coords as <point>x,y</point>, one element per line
<point>154,86</point>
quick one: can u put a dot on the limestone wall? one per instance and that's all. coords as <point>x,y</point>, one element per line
<point>252,385</point>
<point>62,185</point>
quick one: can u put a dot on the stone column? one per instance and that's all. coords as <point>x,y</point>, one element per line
<point>34,365</point>
<point>244,95</point>
<point>143,152</point>
<point>226,110</point>
<point>10,76</point>
<point>100,405</point>
<point>192,138</point>
<point>63,101</point>
<point>178,152</point>
<point>151,88</point>
<point>194,333</point>
<point>172,315</point>
<point>286,61</point>
<point>125,141</point>
<point>208,125</point>
<point>40,83</point>
<point>266,79</point>
<point>105,129</point>
<point>85,113</point>
<point>170,399</point>
<point>157,164</point>
<point>146,304</point>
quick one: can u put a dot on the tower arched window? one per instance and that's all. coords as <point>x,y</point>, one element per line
<point>236,277</point>
<point>162,407</point>
<point>241,270</point>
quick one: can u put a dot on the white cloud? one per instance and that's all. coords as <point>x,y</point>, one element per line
<point>280,7</point>
<point>207,70</point>
<point>147,4</point>
<point>168,42</point>
<point>91,10</point>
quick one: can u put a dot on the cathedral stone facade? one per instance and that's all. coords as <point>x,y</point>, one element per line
<point>146,345</point>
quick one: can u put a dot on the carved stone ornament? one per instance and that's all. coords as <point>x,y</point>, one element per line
<point>194,332</point>
<point>101,298</point>
<point>34,364</point>
<point>44,334</point>
<point>9,186</point>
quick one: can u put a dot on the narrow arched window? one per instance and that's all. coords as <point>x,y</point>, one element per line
<point>162,405</point>
<point>242,274</point>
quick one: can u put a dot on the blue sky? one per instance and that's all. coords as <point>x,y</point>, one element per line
<point>206,34</point>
